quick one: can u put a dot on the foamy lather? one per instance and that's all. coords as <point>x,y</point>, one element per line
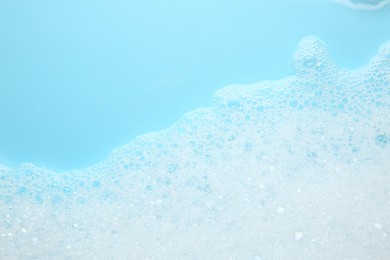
<point>365,4</point>
<point>297,168</point>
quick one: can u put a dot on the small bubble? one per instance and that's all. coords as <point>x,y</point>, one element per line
<point>293,103</point>
<point>22,190</point>
<point>312,85</point>
<point>309,62</point>
<point>248,147</point>
<point>38,199</point>
<point>260,108</point>
<point>54,185</point>
<point>96,184</point>
<point>233,104</point>
<point>382,139</point>
<point>172,167</point>
<point>355,149</point>
<point>181,130</point>
<point>66,189</point>
<point>28,172</point>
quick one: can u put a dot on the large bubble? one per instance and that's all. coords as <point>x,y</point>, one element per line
<point>296,168</point>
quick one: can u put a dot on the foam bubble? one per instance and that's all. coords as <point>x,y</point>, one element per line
<point>312,58</point>
<point>291,169</point>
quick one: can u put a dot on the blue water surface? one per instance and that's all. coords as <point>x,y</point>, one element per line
<point>79,78</point>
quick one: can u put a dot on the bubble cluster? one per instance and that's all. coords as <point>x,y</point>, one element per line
<point>365,4</point>
<point>296,168</point>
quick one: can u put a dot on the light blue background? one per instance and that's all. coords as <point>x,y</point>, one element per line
<point>79,78</point>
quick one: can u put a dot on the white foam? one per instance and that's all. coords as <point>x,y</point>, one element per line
<point>368,5</point>
<point>291,169</point>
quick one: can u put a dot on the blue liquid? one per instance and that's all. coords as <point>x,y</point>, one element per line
<point>80,79</point>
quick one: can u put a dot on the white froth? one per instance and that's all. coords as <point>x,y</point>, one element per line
<point>291,169</point>
<point>368,5</point>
